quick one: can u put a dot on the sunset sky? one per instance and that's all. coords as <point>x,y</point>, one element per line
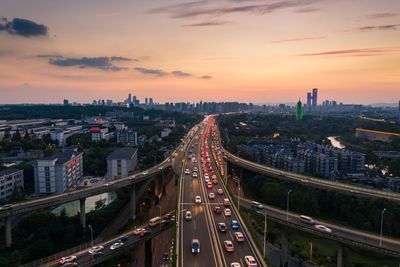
<point>218,50</point>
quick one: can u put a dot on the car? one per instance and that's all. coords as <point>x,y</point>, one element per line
<point>168,216</point>
<point>211,195</point>
<point>195,169</point>
<point>220,191</point>
<point>116,245</point>
<point>209,185</point>
<point>235,264</point>
<point>222,227</point>
<point>122,239</point>
<point>96,249</point>
<point>323,228</point>
<point>214,181</point>
<point>194,174</point>
<point>227,202</point>
<point>217,210</point>
<point>229,246</point>
<point>160,168</point>
<point>207,180</point>
<point>67,259</point>
<point>306,219</point>
<point>250,261</point>
<point>165,257</point>
<point>195,246</point>
<point>107,184</point>
<point>256,205</point>
<point>145,172</point>
<point>69,264</point>
<point>227,212</point>
<point>187,171</point>
<point>206,176</point>
<point>97,254</point>
<point>188,215</point>
<point>165,222</point>
<point>6,207</point>
<point>145,233</point>
<point>197,200</point>
<point>235,225</point>
<point>239,237</point>
<point>138,231</point>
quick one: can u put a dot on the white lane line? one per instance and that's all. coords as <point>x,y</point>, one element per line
<point>241,262</point>
<point>194,224</point>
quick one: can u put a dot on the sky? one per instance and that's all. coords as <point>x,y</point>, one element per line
<point>212,50</point>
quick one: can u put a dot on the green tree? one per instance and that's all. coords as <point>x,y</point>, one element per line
<point>394,167</point>
<point>16,136</point>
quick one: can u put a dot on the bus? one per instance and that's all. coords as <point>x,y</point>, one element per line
<point>155,221</point>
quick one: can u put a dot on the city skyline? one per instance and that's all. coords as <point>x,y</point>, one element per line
<point>246,51</point>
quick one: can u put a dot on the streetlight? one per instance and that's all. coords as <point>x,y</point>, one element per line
<point>380,238</point>
<point>238,194</point>
<point>265,233</point>
<point>159,206</point>
<point>310,251</point>
<point>91,233</point>
<point>287,204</point>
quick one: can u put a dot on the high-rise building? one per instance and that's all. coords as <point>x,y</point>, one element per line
<point>314,97</point>
<point>146,101</point>
<point>299,110</point>
<point>309,99</point>
<point>66,102</point>
<point>399,110</point>
<point>129,100</point>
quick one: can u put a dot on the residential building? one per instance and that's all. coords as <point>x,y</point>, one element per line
<point>165,132</point>
<point>121,162</point>
<point>10,180</point>
<point>99,134</point>
<point>58,172</point>
<point>127,137</point>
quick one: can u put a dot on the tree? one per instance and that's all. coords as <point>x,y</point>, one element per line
<point>394,167</point>
<point>16,136</point>
<point>26,136</point>
<point>7,134</point>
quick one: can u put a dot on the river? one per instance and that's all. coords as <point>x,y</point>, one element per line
<point>335,141</point>
<point>72,208</point>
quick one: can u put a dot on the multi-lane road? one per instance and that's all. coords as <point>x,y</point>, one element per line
<point>204,223</point>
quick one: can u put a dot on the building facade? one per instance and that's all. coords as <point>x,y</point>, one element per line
<point>121,162</point>
<point>10,180</point>
<point>59,172</point>
<point>127,137</point>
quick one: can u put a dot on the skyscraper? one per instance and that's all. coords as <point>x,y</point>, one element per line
<point>314,97</point>
<point>299,111</point>
<point>309,99</point>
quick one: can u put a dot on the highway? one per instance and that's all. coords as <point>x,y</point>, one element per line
<point>203,225</point>
<point>57,199</point>
<point>310,181</point>
<point>342,234</point>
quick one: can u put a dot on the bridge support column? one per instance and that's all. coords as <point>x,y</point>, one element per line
<point>284,248</point>
<point>339,260</point>
<point>148,255</point>
<point>7,228</point>
<point>82,202</point>
<point>133,202</point>
<point>158,185</point>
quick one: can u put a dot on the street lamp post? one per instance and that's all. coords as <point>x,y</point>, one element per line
<point>311,251</point>
<point>265,233</point>
<point>91,233</point>
<point>287,204</point>
<point>380,237</point>
<point>238,194</point>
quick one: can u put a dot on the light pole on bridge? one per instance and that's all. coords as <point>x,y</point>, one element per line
<point>380,237</point>
<point>287,204</point>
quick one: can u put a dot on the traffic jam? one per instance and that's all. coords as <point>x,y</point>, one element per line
<point>227,225</point>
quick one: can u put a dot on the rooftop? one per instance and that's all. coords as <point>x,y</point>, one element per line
<point>123,153</point>
<point>9,171</point>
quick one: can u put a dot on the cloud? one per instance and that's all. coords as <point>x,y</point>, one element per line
<point>179,73</point>
<point>219,8</point>
<point>389,27</point>
<point>103,63</point>
<point>307,10</point>
<point>206,77</point>
<point>154,72</point>
<point>308,38</point>
<point>206,24</point>
<point>356,52</point>
<point>381,15</point>
<point>106,14</point>
<point>23,27</point>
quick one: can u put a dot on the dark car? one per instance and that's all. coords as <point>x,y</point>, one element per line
<point>168,216</point>
<point>165,257</point>
<point>165,222</point>
<point>145,233</point>
<point>195,246</point>
<point>222,227</point>
<point>123,239</point>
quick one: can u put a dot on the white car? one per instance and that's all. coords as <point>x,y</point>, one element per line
<point>116,245</point>
<point>250,261</point>
<point>306,219</point>
<point>197,200</point>
<point>96,249</point>
<point>187,171</point>
<point>145,172</point>
<point>194,174</point>
<point>195,169</point>
<point>188,215</point>
<point>138,231</point>
<point>323,228</point>
<point>211,196</point>
<point>68,259</point>
<point>227,212</point>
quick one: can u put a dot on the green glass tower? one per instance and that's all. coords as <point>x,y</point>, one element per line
<point>299,111</point>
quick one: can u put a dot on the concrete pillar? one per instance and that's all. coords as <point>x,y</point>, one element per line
<point>133,202</point>
<point>148,255</point>
<point>241,174</point>
<point>284,248</point>
<point>339,261</point>
<point>157,185</point>
<point>82,212</point>
<point>7,228</point>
